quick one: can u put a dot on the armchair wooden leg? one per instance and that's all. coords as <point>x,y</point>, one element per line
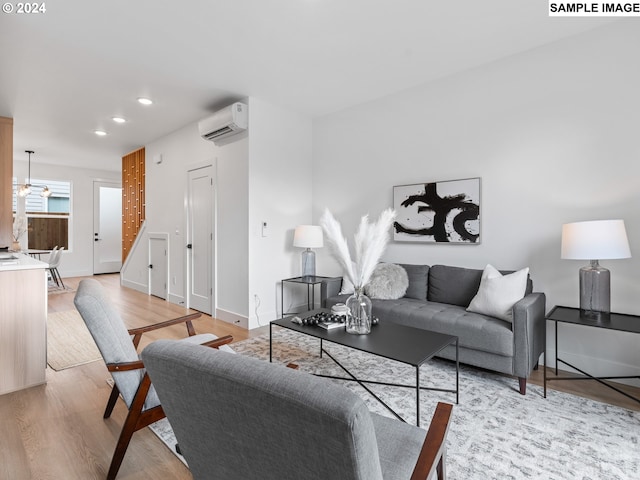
<point>113,398</point>
<point>136,419</point>
<point>440,469</point>
<point>128,430</point>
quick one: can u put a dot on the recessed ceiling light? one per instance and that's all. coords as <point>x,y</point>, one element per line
<point>100,133</point>
<point>118,119</point>
<point>145,101</point>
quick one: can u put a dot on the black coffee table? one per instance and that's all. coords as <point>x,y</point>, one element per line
<point>412,346</point>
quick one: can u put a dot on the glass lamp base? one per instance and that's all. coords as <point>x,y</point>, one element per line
<point>308,263</point>
<point>595,288</point>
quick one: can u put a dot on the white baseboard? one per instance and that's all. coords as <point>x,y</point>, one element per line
<point>76,273</point>
<point>177,299</point>
<point>263,319</point>
<point>233,318</point>
<point>140,287</point>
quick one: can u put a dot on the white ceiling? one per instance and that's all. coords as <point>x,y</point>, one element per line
<point>66,72</point>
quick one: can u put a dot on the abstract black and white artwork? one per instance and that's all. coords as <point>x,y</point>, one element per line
<point>439,212</point>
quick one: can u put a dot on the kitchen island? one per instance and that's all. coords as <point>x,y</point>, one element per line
<point>23,322</point>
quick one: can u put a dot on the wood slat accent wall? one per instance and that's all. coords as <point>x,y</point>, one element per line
<point>133,203</point>
<point>6,186</point>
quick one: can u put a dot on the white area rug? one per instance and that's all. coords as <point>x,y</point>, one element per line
<point>496,433</point>
<point>162,428</point>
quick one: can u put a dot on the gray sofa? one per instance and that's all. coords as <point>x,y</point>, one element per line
<point>437,298</point>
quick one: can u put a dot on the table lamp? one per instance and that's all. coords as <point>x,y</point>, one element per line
<point>308,236</point>
<point>595,240</point>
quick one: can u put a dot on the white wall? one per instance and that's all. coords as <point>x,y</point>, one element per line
<point>78,261</point>
<point>232,232</point>
<point>265,176</point>
<point>166,196</point>
<point>553,135</point>
<point>280,193</point>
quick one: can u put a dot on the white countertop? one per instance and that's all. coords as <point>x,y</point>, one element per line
<point>19,261</point>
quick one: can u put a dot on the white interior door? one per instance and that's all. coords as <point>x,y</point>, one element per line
<point>200,239</point>
<point>158,266</point>
<point>107,224</point>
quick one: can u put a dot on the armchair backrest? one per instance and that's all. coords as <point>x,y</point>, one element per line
<point>239,417</point>
<point>111,336</point>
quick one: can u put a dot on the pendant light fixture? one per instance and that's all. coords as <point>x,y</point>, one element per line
<point>25,189</point>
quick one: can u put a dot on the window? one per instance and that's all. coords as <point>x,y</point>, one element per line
<point>47,217</point>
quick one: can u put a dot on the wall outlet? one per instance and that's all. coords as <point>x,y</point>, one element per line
<point>265,229</point>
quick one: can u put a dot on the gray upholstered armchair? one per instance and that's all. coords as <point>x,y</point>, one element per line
<point>118,348</point>
<point>237,417</point>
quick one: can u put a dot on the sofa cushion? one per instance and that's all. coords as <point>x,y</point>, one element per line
<point>418,281</point>
<point>453,285</point>
<point>475,331</point>
<point>498,293</point>
<point>388,281</point>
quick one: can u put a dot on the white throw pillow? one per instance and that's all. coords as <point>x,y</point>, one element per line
<point>347,286</point>
<point>388,282</point>
<point>498,293</point>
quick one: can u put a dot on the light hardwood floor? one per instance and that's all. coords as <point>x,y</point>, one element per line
<point>56,431</point>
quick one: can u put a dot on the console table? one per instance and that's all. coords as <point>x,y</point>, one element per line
<point>310,282</point>
<point>609,321</point>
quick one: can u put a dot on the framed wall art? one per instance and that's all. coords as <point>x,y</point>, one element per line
<point>438,212</point>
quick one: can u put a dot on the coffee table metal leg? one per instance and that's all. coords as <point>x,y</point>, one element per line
<point>320,348</point>
<point>362,384</point>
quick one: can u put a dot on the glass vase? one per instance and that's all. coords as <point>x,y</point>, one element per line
<point>359,313</point>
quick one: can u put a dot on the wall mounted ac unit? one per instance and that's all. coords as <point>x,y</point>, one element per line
<point>225,123</point>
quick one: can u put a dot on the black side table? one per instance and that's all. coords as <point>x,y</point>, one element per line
<point>310,282</point>
<point>609,321</point>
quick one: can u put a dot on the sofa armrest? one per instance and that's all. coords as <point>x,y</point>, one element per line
<point>329,288</point>
<point>528,333</point>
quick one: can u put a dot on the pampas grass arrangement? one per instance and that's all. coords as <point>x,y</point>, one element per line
<point>370,242</point>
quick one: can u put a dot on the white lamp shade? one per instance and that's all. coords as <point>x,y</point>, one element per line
<point>595,240</point>
<point>308,236</point>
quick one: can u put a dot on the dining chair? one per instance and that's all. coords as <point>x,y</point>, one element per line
<point>54,262</point>
<point>118,347</point>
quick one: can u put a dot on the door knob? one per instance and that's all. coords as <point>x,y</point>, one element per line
<point>189,246</point>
